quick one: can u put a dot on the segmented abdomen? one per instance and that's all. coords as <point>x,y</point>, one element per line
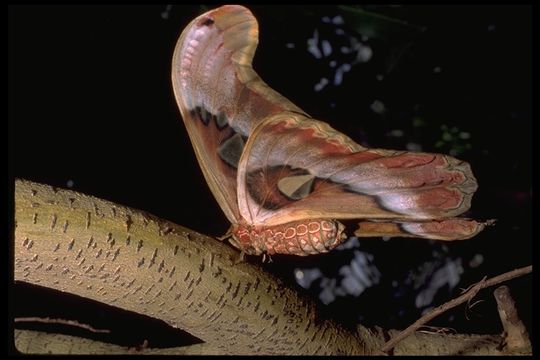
<point>295,238</point>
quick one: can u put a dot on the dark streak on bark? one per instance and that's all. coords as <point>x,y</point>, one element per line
<point>217,317</point>
<point>303,343</point>
<point>218,272</point>
<point>258,334</point>
<point>145,220</point>
<point>64,228</point>
<point>153,258</point>
<point>272,334</point>
<point>246,288</point>
<point>201,266</point>
<point>88,269</point>
<point>130,283</point>
<point>220,299</point>
<point>128,222</point>
<point>236,289</point>
<point>96,210</point>
<point>223,304</point>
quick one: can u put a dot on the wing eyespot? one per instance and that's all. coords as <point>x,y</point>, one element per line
<point>207,22</point>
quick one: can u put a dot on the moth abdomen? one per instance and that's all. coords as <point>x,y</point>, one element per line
<point>305,237</point>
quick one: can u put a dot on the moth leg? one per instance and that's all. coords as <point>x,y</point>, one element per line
<point>265,257</point>
<point>227,235</point>
<point>446,229</point>
<point>239,259</point>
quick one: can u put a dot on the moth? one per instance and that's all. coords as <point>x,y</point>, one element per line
<point>284,179</point>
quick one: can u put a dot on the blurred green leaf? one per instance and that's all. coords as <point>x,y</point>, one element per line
<point>398,34</point>
<point>378,26</point>
<point>418,122</point>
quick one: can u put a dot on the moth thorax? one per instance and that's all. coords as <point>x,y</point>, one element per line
<point>301,238</point>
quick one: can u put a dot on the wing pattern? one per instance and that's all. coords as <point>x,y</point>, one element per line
<point>282,178</point>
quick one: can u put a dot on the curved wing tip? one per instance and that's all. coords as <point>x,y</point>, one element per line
<point>228,10</point>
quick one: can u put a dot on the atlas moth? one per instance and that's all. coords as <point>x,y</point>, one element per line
<point>284,179</point>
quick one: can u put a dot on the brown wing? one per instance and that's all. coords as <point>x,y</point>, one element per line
<point>444,229</point>
<point>296,168</point>
<point>219,95</point>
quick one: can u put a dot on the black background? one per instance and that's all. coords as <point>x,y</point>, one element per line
<point>90,100</point>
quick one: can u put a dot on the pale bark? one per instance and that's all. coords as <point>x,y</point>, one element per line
<point>127,258</point>
<point>36,342</point>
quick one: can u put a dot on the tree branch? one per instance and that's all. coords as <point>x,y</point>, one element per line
<point>515,332</point>
<point>126,258</point>
<point>466,296</point>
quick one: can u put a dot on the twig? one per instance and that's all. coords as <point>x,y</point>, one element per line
<point>515,333</point>
<point>437,330</point>
<point>61,321</point>
<point>466,296</point>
